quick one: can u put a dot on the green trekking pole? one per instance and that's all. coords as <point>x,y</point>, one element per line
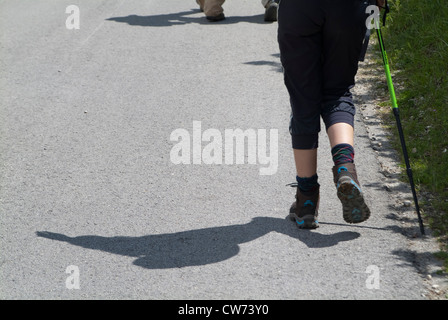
<point>397,118</point>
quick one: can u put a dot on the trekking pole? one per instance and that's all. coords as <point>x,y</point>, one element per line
<point>397,118</point>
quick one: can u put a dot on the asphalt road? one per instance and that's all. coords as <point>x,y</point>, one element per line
<point>93,205</point>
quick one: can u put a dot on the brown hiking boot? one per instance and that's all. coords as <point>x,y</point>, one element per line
<point>304,210</point>
<point>354,208</point>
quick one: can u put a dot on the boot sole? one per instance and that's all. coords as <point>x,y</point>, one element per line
<point>354,208</point>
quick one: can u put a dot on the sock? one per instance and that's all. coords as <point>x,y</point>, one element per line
<point>342,153</point>
<point>307,185</point>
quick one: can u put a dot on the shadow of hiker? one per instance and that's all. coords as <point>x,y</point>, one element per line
<point>181,18</point>
<point>198,247</point>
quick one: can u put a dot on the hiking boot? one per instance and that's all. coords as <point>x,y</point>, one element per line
<point>271,11</point>
<point>354,208</point>
<point>304,210</point>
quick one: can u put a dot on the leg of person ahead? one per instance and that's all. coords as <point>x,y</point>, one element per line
<point>343,35</point>
<point>271,7</point>
<point>300,45</point>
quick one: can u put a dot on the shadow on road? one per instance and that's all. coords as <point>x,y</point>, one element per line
<point>200,246</point>
<point>181,18</point>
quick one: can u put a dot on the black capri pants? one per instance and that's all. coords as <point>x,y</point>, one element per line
<point>320,44</point>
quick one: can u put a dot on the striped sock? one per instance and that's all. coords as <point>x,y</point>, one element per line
<point>342,153</point>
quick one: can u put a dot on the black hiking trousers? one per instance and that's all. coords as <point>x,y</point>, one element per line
<point>320,44</point>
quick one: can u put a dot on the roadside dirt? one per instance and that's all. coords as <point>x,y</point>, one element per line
<point>370,91</point>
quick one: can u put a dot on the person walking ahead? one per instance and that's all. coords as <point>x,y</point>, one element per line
<point>320,43</point>
<point>214,12</point>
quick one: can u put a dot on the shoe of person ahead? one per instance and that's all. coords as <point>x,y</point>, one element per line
<point>271,11</point>
<point>354,207</point>
<point>304,210</point>
<point>217,18</point>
